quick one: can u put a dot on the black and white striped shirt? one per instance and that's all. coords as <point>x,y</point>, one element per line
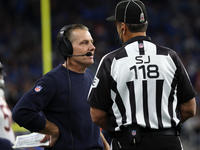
<point>141,83</point>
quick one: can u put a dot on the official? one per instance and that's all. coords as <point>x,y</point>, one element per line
<point>141,93</point>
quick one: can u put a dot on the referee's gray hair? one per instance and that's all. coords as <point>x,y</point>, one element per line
<point>137,27</point>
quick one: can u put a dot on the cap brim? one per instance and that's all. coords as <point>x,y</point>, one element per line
<point>112,18</point>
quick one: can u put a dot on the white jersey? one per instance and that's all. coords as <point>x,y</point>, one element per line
<point>6,131</point>
<point>141,83</point>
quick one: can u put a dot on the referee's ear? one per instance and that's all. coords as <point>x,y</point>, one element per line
<point>123,27</point>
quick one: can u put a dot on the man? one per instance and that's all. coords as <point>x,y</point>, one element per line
<point>61,95</point>
<point>141,93</point>
<point>7,136</point>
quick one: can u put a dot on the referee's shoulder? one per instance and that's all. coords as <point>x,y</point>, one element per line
<point>117,53</point>
<point>167,50</point>
<point>112,54</point>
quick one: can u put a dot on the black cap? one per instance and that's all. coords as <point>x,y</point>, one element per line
<point>130,11</point>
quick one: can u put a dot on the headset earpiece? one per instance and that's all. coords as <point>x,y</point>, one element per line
<point>64,45</point>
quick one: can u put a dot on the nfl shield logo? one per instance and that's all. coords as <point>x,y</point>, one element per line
<point>38,88</point>
<point>140,45</point>
<point>142,17</point>
<point>133,132</point>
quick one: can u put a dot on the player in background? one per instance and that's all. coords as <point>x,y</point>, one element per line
<point>7,136</point>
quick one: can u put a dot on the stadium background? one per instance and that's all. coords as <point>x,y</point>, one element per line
<point>175,24</point>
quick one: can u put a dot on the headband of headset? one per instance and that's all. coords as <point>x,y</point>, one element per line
<point>64,45</point>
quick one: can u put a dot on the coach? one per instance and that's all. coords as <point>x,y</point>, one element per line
<point>61,95</point>
<point>141,93</point>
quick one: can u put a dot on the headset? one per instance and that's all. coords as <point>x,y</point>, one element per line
<point>64,45</point>
<point>66,49</point>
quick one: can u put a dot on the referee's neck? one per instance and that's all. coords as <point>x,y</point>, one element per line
<point>131,35</point>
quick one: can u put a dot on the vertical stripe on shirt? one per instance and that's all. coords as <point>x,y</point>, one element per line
<point>171,99</point>
<point>159,90</point>
<point>132,101</point>
<point>145,103</point>
<point>141,47</point>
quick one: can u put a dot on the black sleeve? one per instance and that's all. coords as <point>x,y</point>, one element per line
<point>185,90</point>
<point>99,95</point>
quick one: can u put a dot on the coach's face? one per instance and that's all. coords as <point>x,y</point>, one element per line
<point>82,43</point>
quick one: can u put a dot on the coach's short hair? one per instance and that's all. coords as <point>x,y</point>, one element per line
<point>70,28</point>
<point>73,27</point>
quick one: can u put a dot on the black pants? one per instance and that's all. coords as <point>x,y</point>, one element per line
<point>148,142</point>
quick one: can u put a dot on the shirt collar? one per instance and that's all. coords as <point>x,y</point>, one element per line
<point>137,38</point>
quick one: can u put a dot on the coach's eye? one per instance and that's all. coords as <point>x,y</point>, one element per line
<point>84,42</point>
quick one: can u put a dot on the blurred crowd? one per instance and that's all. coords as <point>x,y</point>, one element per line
<point>174,24</point>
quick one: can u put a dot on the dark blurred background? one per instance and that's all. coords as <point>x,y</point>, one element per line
<point>172,23</point>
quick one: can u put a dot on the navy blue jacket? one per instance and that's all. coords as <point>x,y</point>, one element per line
<point>65,105</point>
<point>5,144</point>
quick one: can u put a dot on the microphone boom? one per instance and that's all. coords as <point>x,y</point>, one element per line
<point>88,54</point>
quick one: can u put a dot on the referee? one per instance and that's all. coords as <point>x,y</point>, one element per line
<point>141,93</point>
